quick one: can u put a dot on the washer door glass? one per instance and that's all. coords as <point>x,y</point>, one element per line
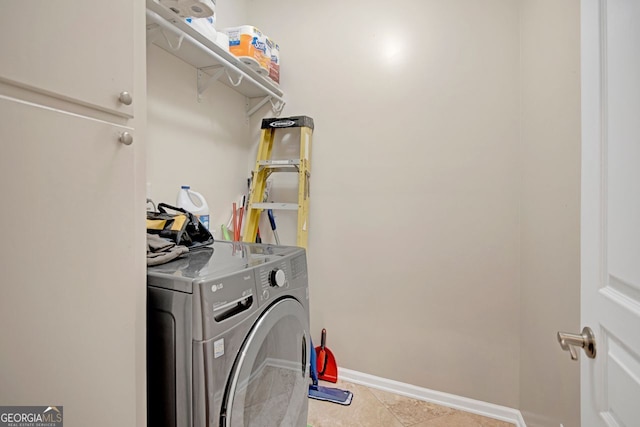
<point>269,383</point>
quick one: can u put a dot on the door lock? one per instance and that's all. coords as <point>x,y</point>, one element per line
<point>586,341</point>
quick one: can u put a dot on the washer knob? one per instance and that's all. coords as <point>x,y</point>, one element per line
<point>277,278</point>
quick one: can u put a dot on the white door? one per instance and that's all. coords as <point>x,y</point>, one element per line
<point>77,50</point>
<point>610,383</point>
<point>69,264</point>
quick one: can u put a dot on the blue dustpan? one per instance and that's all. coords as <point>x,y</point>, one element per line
<point>329,394</point>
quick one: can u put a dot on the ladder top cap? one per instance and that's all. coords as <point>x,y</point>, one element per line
<point>287,122</point>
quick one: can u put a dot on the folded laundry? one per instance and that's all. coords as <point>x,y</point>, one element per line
<point>160,251</point>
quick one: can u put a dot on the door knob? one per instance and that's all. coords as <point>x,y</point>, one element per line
<point>126,138</point>
<point>586,341</point>
<point>125,98</point>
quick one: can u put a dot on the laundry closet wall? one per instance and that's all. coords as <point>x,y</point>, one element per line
<point>414,232</point>
<point>550,210</point>
<point>203,144</point>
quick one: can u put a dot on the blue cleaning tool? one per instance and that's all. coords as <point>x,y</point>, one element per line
<point>329,394</point>
<point>272,220</point>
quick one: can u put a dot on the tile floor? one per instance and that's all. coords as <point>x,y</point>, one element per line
<point>376,408</point>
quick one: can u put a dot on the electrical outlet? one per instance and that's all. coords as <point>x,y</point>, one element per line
<point>149,190</point>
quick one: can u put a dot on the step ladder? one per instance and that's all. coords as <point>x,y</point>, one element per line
<point>265,166</point>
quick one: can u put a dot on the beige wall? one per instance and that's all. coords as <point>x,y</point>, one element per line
<point>550,219</point>
<point>445,184</point>
<point>413,247</point>
<point>203,144</point>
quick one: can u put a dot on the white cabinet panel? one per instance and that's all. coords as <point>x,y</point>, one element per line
<point>67,300</point>
<point>78,50</point>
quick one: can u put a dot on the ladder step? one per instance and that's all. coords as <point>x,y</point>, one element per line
<point>275,206</point>
<point>290,165</point>
<point>283,162</point>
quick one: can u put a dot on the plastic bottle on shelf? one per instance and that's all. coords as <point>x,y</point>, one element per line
<point>195,203</point>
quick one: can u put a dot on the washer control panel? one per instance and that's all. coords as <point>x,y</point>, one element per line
<point>273,278</point>
<point>280,277</point>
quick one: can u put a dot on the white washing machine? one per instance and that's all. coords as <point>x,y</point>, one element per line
<point>228,338</point>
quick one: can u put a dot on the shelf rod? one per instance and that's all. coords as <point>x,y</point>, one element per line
<point>224,62</point>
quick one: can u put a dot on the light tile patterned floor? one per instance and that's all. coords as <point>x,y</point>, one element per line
<point>375,408</point>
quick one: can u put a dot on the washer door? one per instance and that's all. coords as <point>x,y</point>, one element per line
<point>269,383</point>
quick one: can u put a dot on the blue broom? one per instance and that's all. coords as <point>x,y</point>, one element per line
<point>329,394</point>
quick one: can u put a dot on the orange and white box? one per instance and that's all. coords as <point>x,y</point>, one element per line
<point>274,65</point>
<point>245,42</point>
<point>262,44</point>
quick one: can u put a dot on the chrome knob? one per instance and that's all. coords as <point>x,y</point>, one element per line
<point>125,98</point>
<point>126,138</point>
<point>586,340</point>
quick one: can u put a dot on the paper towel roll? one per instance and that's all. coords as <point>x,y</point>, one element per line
<point>222,40</point>
<point>251,62</point>
<point>244,43</point>
<point>204,26</point>
<point>175,6</point>
<point>191,8</point>
<point>262,45</point>
<point>199,8</point>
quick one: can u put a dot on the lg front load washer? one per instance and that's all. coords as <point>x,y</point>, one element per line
<point>228,338</point>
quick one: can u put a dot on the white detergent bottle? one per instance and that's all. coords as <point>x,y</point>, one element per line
<point>195,203</point>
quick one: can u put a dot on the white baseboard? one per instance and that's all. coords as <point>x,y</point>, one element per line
<point>485,409</point>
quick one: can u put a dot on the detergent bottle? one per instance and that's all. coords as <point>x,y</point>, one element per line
<point>195,203</point>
